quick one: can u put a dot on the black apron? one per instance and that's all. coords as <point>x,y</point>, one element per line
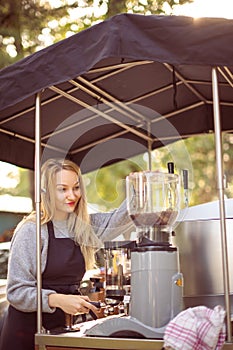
<point>64,270</point>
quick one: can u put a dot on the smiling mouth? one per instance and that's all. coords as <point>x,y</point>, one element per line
<point>71,204</point>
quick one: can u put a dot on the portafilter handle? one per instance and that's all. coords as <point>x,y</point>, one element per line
<point>185,185</point>
<point>170,167</point>
<point>69,322</point>
<point>96,304</point>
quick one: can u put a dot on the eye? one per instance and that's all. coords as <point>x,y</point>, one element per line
<point>61,189</point>
<point>76,188</point>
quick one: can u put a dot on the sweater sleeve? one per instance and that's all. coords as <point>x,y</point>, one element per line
<point>21,279</point>
<point>108,226</point>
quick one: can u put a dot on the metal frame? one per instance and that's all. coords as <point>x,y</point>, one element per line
<point>220,180</point>
<point>113,103</point>
<point>89,86</point>
<point>38,210</point>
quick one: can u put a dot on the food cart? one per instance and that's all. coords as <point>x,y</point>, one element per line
<point>122,87</point>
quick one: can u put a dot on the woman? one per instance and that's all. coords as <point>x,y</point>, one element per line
<point>69,240</point>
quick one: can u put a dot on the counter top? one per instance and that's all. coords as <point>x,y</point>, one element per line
<point>78,340</point>
<point>66,341</point>
<point>71,340</point>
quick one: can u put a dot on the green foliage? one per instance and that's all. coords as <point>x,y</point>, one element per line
<point>27,26</point>
<point>106,187</point>
<point>24,185</point>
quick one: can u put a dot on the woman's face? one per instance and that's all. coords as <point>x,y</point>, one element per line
<point>67,193</point>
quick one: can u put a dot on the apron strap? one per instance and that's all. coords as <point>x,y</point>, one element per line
<point>50,229</point>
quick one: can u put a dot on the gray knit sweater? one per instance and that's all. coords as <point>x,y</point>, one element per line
<point>21,280</point>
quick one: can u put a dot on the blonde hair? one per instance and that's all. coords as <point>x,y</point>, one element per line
<point>79,220</point>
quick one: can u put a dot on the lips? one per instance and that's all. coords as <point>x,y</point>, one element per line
<point>71,204</point>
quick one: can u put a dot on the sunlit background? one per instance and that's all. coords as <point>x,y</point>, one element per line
<point>206,8</point>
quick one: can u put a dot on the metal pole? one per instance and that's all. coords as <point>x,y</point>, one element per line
<point>149,145</point>
<point>220,180</point>
<point>38,210</point>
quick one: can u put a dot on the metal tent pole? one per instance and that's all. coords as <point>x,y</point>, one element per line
<point>149,145</point>
<point>38,208</point>
<point>220,180</point>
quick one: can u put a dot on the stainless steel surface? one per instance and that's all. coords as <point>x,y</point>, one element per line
<point>75,341</point>
<point>38,208</point>
<point>155,234</point>
<point>156,297</point>
<point>199,244</point>
<point>124,327</point>
<point>80,340</point>
<point>153,203</point>
<point>220,181</point>
<point>95,343</point>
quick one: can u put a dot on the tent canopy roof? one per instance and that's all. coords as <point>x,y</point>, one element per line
<point>111,90</point>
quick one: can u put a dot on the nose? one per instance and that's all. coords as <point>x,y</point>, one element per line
<point>71,194</point>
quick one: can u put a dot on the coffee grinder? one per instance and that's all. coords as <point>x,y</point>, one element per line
<point>156,284</point>
<point>153,203</point>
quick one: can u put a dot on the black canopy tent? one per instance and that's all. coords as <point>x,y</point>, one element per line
<point>120,87</point>
<point>120,79</point>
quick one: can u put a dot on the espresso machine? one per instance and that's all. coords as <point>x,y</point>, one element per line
<point>117,284</point>
<point>153,203</point>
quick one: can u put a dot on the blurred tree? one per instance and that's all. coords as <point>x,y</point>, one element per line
<point>145,7</point>
<point>27,26</point>
<point>203,172</point>
<point>14,180</point>
<point>106,187</point>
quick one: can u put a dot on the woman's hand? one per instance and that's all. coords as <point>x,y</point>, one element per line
<point>72,304</point>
